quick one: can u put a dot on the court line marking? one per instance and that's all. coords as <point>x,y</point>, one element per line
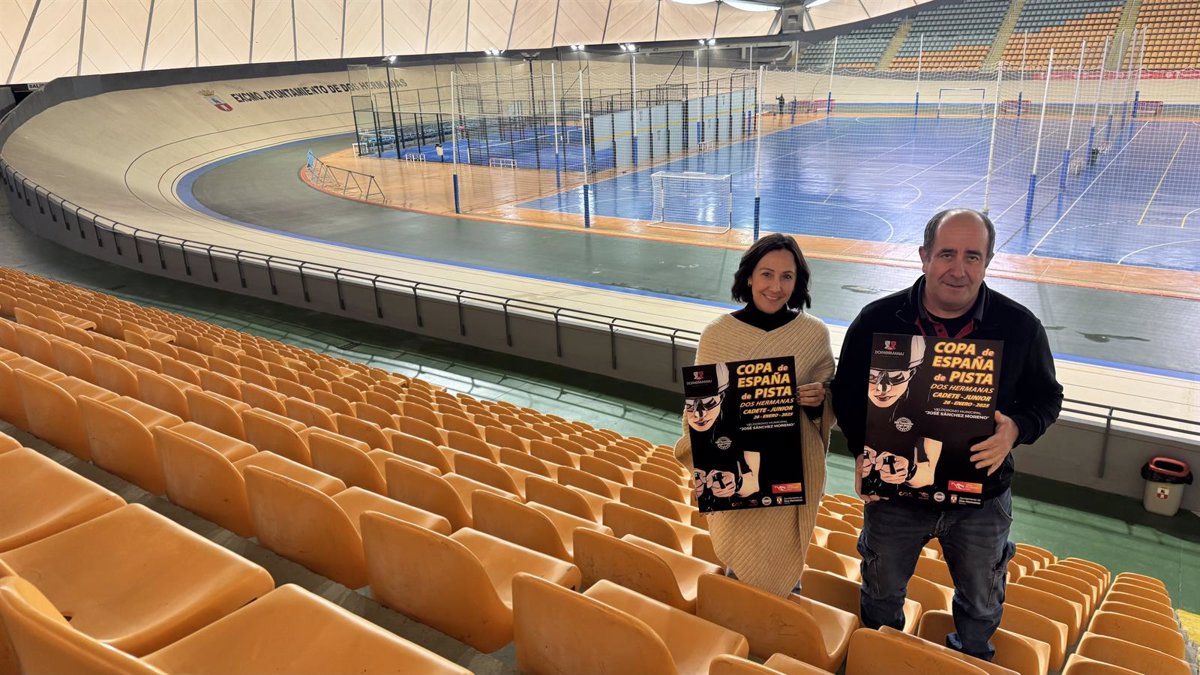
<point>1086,189</point>
<point>1169,243</point>
<point>1183,222</point>
<point>982,178</point>
<point>1163,178</point>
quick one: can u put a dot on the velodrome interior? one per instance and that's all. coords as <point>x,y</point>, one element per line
<point>137,186</point>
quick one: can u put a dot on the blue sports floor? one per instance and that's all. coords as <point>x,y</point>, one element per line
<point>1136,201</point>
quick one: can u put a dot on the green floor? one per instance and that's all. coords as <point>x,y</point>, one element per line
<point>1069,520</point>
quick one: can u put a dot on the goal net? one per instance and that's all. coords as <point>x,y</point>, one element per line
<point>968,102</point>
<point>694,201</point>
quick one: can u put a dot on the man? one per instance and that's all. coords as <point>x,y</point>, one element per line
<point>950,300</point>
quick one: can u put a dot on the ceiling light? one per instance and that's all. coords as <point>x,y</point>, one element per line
<point>759,7</point>
<point>809,4</point>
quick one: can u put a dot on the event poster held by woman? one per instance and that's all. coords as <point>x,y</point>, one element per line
<point>766,547</point>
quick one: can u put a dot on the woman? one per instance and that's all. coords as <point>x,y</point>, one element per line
<point>765,547</point>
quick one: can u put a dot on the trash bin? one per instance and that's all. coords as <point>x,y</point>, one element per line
<point>1165,482</point>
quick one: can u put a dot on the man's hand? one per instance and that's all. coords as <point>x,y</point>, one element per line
<point>990,453</point>
<point>811,394</point>
<point>863,466</point>
<point>866,461</point>
<point>897,473</point>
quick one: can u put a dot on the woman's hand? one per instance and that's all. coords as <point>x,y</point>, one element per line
<point>811,394</point>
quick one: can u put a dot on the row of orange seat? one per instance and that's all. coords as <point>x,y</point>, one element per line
<point>1029,49</point>
<point>91,584</point>
<point>467,497</point>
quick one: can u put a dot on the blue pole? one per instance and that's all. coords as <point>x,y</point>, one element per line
<point>457,209</point>
<point>635,147</point>
<point>1066,162</point>
<point>829,103</point>
<point>1029,202</point>
<point>587,213</point>
<point>1136,95</point>
<point>1020,105</point>
<point>757,209</point>
<point>917,104</point>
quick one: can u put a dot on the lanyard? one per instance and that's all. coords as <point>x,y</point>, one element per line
<point>940,329</point>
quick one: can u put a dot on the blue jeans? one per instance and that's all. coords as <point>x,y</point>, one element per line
<point>977,550</point>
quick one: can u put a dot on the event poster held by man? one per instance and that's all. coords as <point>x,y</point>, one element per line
<point>950,300</point>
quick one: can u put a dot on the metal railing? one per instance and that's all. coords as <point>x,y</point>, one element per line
<point>346,182</point>
<point>108,232</point>
<point>421,291</point>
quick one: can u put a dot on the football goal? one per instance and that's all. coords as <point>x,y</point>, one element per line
<point>962,102</point>
<point>692,201</point>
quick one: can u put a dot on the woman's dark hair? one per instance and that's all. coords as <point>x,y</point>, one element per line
<point>772,242</point>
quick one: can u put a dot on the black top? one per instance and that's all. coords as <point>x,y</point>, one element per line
<point>763,321</point>
<point>1028,390</point>
<point>752,315</point>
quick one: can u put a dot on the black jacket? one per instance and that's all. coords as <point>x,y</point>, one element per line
<point>1028,391</point>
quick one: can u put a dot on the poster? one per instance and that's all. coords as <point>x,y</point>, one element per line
<point>744,426</point>
<point>929,400</point>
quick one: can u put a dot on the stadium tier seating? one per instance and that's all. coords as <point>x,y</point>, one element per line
<point>956,36</point>
<point>860,48</point>
<point>1172,34</point>
<point>1062,25</point>
<point>478,518</point>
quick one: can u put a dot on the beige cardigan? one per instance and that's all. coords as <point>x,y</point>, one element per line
<point>765,547</point>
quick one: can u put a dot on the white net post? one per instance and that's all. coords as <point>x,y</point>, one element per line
<point>554,113</point>
<point>1096,102</point>
<point>1037,147</point>
<point>987,185</point>
<point>832,65</point>
<point>1137,83</point>
<point>920,59</point>
<point>1021,86</point>
<point>454,110</point>
<point>1115,82</point>
<point>1067,151</point>
<point>757,153</point>
<point>583,129</point>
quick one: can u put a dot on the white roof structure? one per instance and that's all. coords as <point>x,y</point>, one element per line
<point>41,41</point>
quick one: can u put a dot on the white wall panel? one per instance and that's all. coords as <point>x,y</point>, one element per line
<point>631,21</point>
<point>273,31</point>
<point>677,21</point>
<point>172,35</point>
<point>405,23</point>
<point>533,24</point>
<point>14,17</point>
<point>224,32</point>
<point>736,23</point>
<point>490,23</point>
<point>448,26</point>
<point>114,35</point>
<point>52,49</point>
<point>580,21</point>
<point>319,29</point>
<point>364,36</point>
